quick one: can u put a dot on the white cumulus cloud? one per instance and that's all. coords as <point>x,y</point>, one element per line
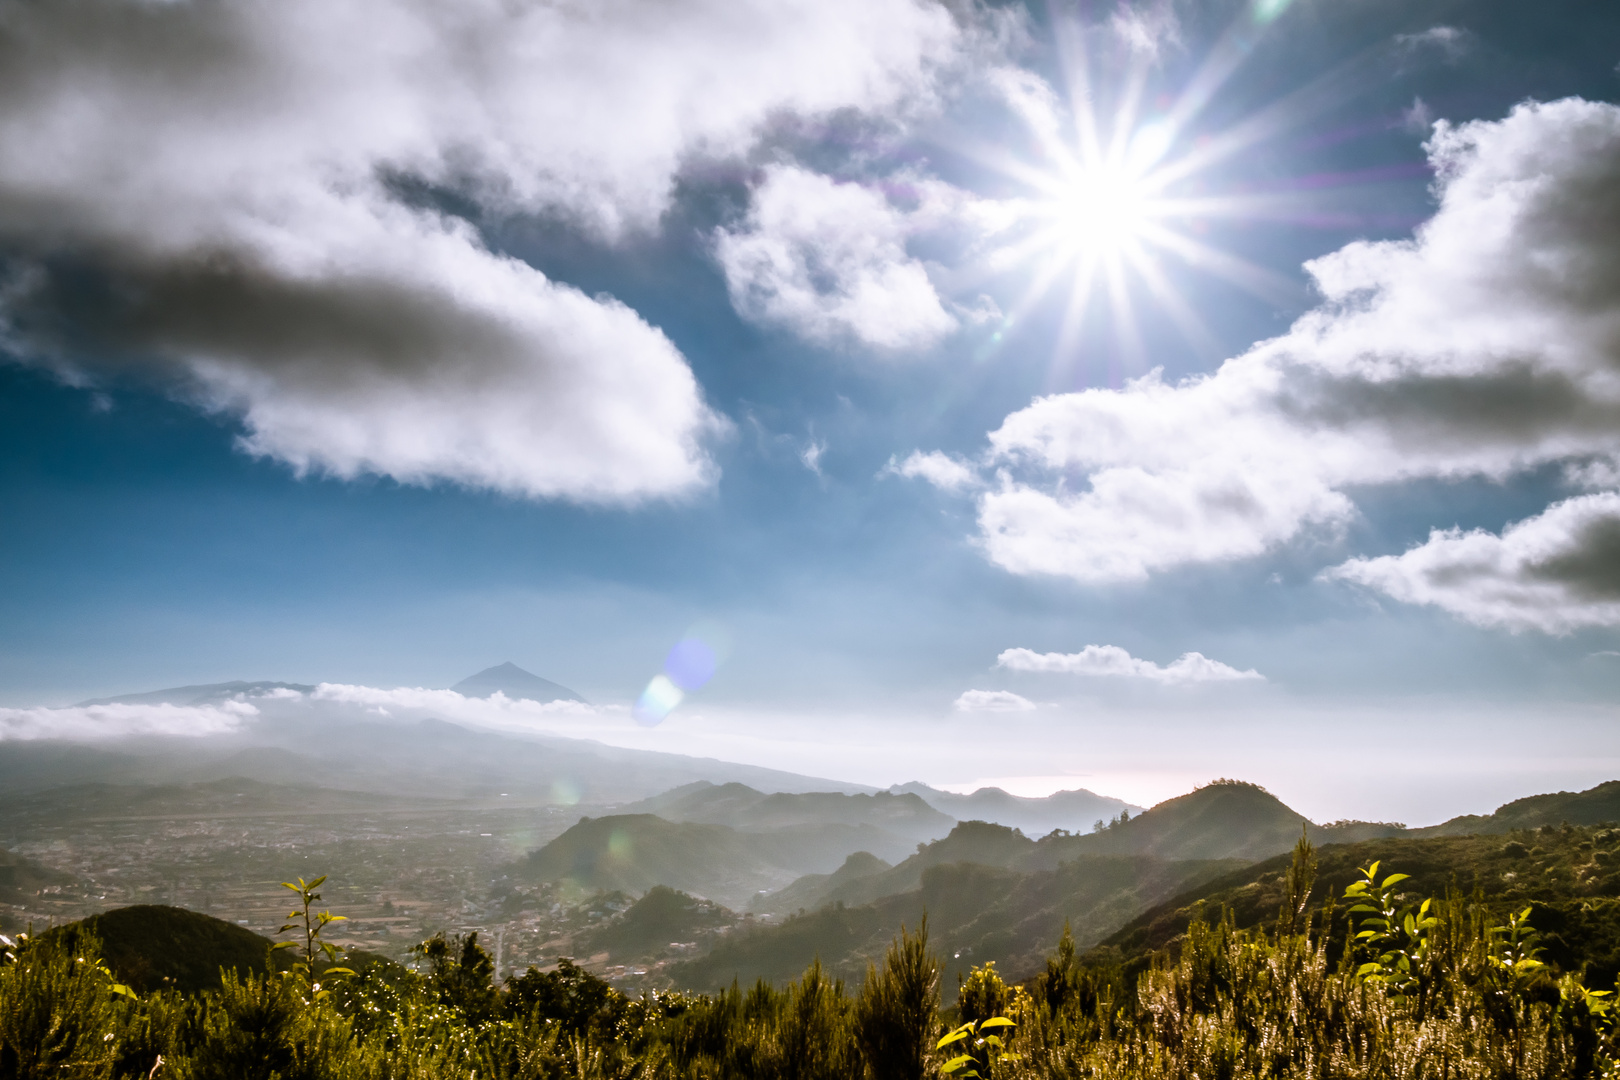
<point>238,196</point>
<point>1111,660</point>
<point>828,260</point>
<point>992,701</point>
<point>1486,345</point>
<point>113,721</point>
<point>938,469</point>
<point>1556,572</point>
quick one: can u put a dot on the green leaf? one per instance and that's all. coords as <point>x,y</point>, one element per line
<point>1392,879</point>
<point>997,1021</point>
<point>956,1036</point>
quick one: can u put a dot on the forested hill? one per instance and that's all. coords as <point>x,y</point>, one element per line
<point>1569,876</point>
<point>1590,807</point>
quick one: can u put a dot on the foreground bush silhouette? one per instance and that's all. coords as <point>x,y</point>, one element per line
<point>1399,989</point>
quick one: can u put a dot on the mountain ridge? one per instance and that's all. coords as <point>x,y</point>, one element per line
<point>1074,810</point>
<point>515,683</point>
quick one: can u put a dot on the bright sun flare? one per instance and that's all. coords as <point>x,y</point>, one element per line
<point>1106,206</point>
<point>1105,210</point>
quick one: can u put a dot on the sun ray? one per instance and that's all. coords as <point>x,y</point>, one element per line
<point>1076,59</point>
<point>1066,344</point>
<point>1186,321</point>
<point>1252,278</point>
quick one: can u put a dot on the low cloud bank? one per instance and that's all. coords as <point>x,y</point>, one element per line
<point>496,712</point>
<point>120,720</point>
<point>97,722</point>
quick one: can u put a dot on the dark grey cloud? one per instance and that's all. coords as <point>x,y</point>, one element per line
<point>1590,564</point>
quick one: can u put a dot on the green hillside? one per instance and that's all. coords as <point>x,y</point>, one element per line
<point>633,852</point>
<point>1569,876</point>
<point>1224,820</point>
<point>658,923</point>
<point>1589,807</point>
<point>905,815</point>
<point>1073,810</point>
<point>150,946</point>
<point>976,913</point>
<point>993,893</point>
<point>816,890</point>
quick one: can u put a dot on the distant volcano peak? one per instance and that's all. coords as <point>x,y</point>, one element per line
<point>514,682</point>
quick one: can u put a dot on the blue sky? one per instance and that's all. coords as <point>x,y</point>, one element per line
<point>399,343</point>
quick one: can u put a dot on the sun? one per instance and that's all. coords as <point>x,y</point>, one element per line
<point>1113,192</point>
<point>1104,209</point>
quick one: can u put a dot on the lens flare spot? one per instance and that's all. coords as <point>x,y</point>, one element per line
<point>1267,10</point>
<point>690,664</point>
<point>564,792</point>
<point>657,701</point>
<point>619,844</point>
<point>688,667</point>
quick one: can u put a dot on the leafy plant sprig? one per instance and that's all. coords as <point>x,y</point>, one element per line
<point>1514,947</point>
<point>986,1049</point>
<point>1397,937</point>
<point>311,922</point>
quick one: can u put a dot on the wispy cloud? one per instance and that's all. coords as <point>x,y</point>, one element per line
<point>1146,28</point>
<point>1418,119</point>
<point>1451,43</point>
<point>811,455</point>
<point>1111,660</point>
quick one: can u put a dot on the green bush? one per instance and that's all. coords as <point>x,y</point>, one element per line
<point>1388,987</point>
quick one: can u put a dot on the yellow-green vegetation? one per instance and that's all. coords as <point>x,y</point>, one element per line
<point>1568,876</point>
<point>1366,980</point>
